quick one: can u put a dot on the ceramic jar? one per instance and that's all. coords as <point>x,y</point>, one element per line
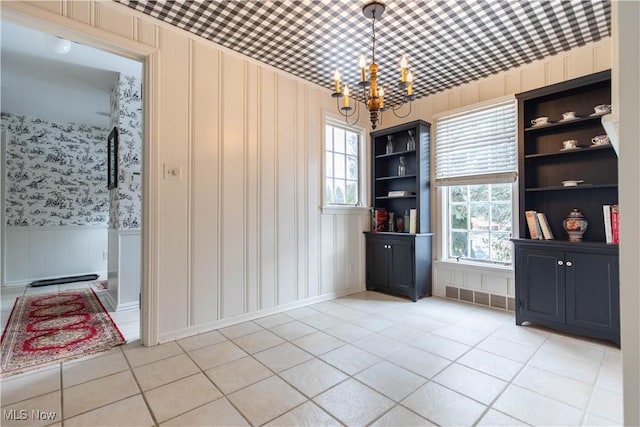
<point>575,225</point>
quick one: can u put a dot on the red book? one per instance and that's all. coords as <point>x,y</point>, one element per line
<point>615,224</point>
<point>381,217</point>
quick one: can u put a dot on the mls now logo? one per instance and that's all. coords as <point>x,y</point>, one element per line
<point>23,414</point>
<point>15,414</point>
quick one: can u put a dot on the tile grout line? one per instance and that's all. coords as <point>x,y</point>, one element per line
<point>224,395</point>
<point>135,378</point>
<point>510,382</point>
<point>585,412</point>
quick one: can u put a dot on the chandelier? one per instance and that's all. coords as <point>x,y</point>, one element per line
<point>372,92</point>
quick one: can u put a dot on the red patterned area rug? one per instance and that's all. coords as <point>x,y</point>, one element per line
<point>52,328</point>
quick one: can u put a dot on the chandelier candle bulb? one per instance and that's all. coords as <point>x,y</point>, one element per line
<point>336,77</point>
<point>346,96</point>
<point>381,96</point>
<point>363,72</point>
<point>403,68</point>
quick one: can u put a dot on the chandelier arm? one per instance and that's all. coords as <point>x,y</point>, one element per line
<point>350,115</point>
<point>354,111</point>
<point>395,110</point>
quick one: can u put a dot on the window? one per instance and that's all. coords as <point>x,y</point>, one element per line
<point>480,222</point>
<point>342,165</point>
<point>476,162</point>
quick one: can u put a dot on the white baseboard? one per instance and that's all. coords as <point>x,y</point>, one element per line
<point>223,323</point>
<point>25,282</point>
<point>111,304</point>
<point>128,306</point>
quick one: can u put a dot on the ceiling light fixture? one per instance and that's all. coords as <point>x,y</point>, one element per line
<point>373,92</point>
<point>58,44</point>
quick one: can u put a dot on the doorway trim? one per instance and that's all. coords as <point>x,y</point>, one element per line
<point>43,20</point>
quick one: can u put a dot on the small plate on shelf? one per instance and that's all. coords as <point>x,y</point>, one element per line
<point>570,148</point>
<point>599,114</point>
<point>541,125</point>
<point>568,120</point>
<point>572,183</point>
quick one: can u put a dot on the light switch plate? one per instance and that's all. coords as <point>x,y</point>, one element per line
<point>172,172</point>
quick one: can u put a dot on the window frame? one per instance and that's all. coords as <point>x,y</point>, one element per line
<point>443,224</point>
<point>442,199</point>
<point>363,161</point>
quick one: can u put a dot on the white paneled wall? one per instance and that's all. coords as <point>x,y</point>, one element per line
<point>575,63</point>
<point>124,268</point>
<point>241,232</point>
<point>36,253</point>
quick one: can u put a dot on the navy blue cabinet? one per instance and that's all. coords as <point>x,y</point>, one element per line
<point>573,287</point>
<point>399,263</point>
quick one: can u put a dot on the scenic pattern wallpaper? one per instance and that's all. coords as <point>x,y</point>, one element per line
<point>55,173</point>
<point>126,115</point>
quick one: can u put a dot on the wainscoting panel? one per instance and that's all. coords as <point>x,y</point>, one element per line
<point>267,190</point>
<point>173,196</point>
<point>312,170</point>
<point>233,188</point>
<point>130,273</point>
<point>473,279</point>
<point>34,253</point>
<point>287,204</point>
<point>205,202</point>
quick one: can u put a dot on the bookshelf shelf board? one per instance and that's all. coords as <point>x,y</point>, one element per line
<point>578,151</point>
<point>386,178</point>
<point>413,196</point>
<point>571,188</point>
<point>395,154</point>
<point>554,127</point>
<point>564,242</point>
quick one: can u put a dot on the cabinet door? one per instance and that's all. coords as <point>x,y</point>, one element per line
<point>401,265</point>
<point>540,277</point>
<point>377,263</point>
<point>593,299</point>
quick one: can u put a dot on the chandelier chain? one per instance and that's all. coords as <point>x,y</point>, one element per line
<point>373,37</point>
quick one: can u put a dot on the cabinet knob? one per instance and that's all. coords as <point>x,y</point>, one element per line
<point>569,263</point>
<point>560,262</point>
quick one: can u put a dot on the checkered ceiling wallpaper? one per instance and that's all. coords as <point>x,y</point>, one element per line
<point>447,42</point>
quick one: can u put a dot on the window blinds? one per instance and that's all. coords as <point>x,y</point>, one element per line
<point>477,146</point>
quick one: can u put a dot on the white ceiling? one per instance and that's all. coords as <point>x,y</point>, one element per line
<point>72,87</point>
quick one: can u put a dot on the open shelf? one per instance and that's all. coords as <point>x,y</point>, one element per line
<point>572,188</point>
<point>543,164</point>
<point>571,152</point>
<point>396,154</point>
<point>385,178</point>
<point>413,196</point>
<point>554,127</point>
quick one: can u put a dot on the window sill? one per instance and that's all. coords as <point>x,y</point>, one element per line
<point>344,210</point>
<point>507,270</point>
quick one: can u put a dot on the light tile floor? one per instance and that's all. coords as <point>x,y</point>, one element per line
<point>364,359</point>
